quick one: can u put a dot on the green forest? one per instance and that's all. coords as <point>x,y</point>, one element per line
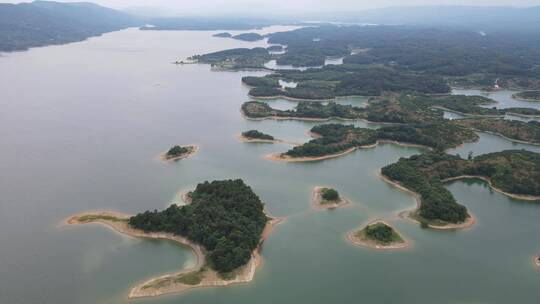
<point>254,134</point>
<point>513,171</point>
<point>225,217</point>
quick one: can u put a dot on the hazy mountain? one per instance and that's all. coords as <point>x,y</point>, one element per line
<point>42,23</point>
<point>489,19</point>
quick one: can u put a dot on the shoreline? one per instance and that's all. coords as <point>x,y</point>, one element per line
<point>163,156</point>
<point>516,97</point>
<point>488,181</point>
<point>274,117</point>
<point>244,139</point>
<point>317,200</point>
<point>410,215</point>
<point>170,283</point>
<point>507,138</point>
<point>536,260</point>
<point>372,244</point>
<point>467,115</point>
<point>280,157</point>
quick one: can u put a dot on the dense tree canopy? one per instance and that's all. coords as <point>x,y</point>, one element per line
<point>225,217</point>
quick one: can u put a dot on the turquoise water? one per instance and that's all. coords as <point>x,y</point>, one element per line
<point>84,122</point>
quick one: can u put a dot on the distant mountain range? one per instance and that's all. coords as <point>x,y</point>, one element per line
<point>41,23</point>
<point>477,18</point>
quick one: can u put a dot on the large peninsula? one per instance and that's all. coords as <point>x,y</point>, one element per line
<point>515,173</point>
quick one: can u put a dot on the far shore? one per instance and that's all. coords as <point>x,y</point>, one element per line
<point>306,99</point>
<point>296,118</point>
<point>411,214</point>
<point>468,114</point>
<point>194,149</point>
<point>516,97</point>
<point>171,283</point>
<point>353,237</point>
<point>317,200</point>
<point>244,139</point>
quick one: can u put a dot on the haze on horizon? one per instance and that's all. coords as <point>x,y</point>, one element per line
<point>279,7</point>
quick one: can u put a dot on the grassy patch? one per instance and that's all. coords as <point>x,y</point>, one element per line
<point>190,278</point>
<point>96,217</point>
<point>158,284</point>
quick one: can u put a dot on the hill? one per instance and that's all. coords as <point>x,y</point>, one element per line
<point>41,23</point>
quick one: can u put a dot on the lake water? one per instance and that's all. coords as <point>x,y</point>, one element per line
<point>82,125</point>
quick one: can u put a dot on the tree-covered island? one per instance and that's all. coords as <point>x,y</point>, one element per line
<point>334,140</point>
<point>256,136</point>
<point>224,224</point>
<point>248,37</point>
<point>223,35</point>
<point>327,198</point>
<point>515,173</point>
<point>378,235</point>
<point>235,59</point>
<point>178,152</point>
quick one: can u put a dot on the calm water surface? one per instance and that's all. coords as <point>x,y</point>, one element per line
<point>82,125</point>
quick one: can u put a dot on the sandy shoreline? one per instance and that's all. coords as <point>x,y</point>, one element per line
<point>171,283</point>
<point>163,156</point>
<point>244,139</point>
<point>316,200</point>
<point>296,118</point>
<point>281,157</point>
<point>364,242</point>
<point>411,214</point>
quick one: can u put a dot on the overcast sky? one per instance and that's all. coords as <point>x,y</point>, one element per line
<point>200,7</point>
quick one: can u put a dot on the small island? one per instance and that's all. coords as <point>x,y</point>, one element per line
<point>378,235</point>
<point>527,96</point>
<point>255,136</point>
<point>223,35</point>
<point>250,37</point>
<point>537,261</point>
<point>179,152</point>
<point>224,224</point>
<point>327,198</point>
